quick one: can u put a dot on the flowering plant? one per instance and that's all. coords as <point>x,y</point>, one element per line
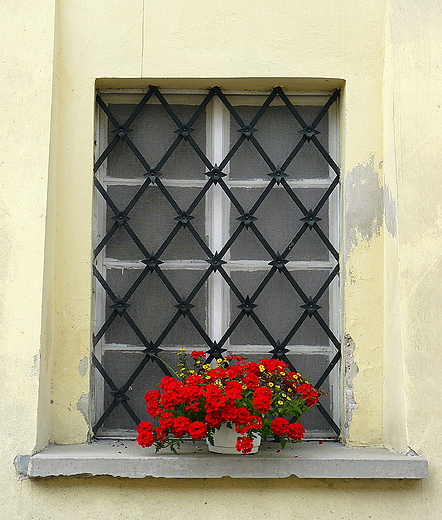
<point>251,397</point>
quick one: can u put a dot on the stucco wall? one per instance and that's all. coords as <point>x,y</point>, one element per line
<point>386,55</point>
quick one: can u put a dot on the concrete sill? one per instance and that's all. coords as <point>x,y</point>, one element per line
<point>306,460</point>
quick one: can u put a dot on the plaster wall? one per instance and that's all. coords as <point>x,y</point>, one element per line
<point>386,56</point>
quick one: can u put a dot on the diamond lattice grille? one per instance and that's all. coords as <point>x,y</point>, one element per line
<point>213,239</point>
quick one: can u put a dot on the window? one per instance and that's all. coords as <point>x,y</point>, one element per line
<point>217,230</point>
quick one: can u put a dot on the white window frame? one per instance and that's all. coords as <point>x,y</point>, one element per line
<point>217,210</point>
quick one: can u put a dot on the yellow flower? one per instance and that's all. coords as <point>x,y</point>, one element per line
<point>261,368</point>
<point>192,371</point>
<point>207,377</point>
<point>271,384</point>
<point>277,386</point>
<point>283,395</point>
<point>282,373</point>
<point>182,349</point>
<point>220,360</point>
<point>244,387</point>
<point>280,403</point>
<point>198,362</point>
<point>206,367</point>
<point>289,390</point>
<point>288,398</point>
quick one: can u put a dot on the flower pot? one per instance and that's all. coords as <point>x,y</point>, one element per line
<point>224,441</point>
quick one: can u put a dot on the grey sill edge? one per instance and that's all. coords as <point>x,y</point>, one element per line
<point>305,460</point>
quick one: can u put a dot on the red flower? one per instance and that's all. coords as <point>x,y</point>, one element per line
<point>166,420</point>
<point>295,431</point>
<point>279,426</point>
<point>217,373</point>
<point>252,424</point>
<point>235,358</point>
<point>197,354</point>
<point>262,398</point>
<point>244,445</point>
<point>197,430</point>
<point>274,365</point>
<point>233,390</point>
<point>168,384</point>
<point>194,379</point>
<point>251,381</point>
<point>309,393</point>
<point>214,419</point>
<point>181,426</point>
<point>229,412</point>
<point>152,399</point>
<point>145,438</point>
<point>144,426</point>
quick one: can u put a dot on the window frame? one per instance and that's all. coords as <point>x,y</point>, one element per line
<point>217,133</point>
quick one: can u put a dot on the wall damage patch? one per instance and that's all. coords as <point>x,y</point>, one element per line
<point>350,371</point>
<point>83,406</point>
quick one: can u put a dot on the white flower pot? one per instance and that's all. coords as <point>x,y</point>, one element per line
<point>224,441</point>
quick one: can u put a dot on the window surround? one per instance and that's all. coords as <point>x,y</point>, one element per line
<point>69,423</point>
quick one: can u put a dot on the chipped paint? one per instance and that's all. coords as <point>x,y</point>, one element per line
<point>363,204</point>
<point>35,368</point>
<point>83,406</point>
<point>83,366</point>
<point>350,371</point>
<point>21,463</point>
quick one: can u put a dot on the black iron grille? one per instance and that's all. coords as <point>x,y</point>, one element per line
<point>153,206</point>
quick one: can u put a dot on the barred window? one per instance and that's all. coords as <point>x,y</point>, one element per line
<point>217,230</point>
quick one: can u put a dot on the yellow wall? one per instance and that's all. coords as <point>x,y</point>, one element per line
<point>387,55</point>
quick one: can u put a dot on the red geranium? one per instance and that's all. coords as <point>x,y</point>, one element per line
<point>244,445</point>
<point>181,426</point>
<point>250,397</point>
<point>197,354</point>
<point>197,430</point>
<point>279,426</point>
<point>295,431</point>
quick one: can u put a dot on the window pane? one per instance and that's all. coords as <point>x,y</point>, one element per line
<point>278,220</point>
<point>153,132</point>
<point>279,308</point>
<point>278,134</point>
<point>153,306</point>
<point>152,219</point>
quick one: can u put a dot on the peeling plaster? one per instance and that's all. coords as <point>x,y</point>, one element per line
<point>83,406</point>
<point>35,368</point>
<point>83,366</point>
<point>21,463</point>
<point>363,203</point>
<point>350,371</point>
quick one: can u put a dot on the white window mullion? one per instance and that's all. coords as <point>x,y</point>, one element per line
<point>99,292</point>
<point>334,304</point>
<point>218,211</point>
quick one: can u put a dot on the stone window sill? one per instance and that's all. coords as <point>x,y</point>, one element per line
<point>306,460</point>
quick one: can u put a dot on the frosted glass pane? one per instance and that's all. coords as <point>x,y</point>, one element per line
<point>279,307</point>
<point>278,221</point>
<point>277,133</point>
<point>152,219</point>
<point>152,307</point>
<point>153,133</point>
